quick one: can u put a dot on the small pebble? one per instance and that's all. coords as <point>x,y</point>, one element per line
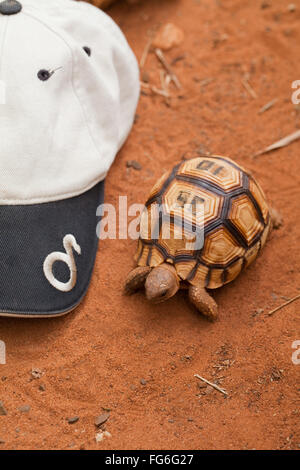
<point>201,385</point>
<point>133,164</point>
<point>168,36</point>
<point>24,409</point>
<point>73,420</point>
<point>3,411</point>
<point>143,382</point>
<point>186,358</point>
<point>36,373</point>
<point>101,419</point>
<point>265,5</point>
<point>101,435</point>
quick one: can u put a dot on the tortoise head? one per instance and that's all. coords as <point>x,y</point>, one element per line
<point>162,283</point>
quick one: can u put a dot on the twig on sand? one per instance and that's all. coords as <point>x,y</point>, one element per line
<point>154,89</point>
<point>280,143</point>
<point>162,77</point>
<point>165,80</point>
<point>146,52</point>
<point>206,81</point>
<point>211,384</point>
<point>283,305</point>
<point>168,68</point>
<point>267,106</point>
<point>246,84</point>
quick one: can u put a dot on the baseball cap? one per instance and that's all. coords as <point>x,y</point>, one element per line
<point>69,86</point>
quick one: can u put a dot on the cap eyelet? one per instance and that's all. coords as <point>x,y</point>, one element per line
<point>88,50</point>
<point>44,75</point>
<point>10,7</point>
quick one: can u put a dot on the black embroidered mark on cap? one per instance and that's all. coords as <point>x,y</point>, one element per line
<point>88,50</point>
<point>44,74</point>
<point>10,7</point>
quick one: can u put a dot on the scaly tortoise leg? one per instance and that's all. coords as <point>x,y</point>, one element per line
<point>276,218</point>
<point>203,302</point>
<point>136,279</point>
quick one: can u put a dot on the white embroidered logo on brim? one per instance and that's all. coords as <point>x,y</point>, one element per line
<point>69,243</point>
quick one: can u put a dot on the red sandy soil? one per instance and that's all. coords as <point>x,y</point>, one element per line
<point>97,356</point>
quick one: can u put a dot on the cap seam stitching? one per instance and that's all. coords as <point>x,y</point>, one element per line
<point>65,195</point>
<point>84,116</point>
<point>72,80</point>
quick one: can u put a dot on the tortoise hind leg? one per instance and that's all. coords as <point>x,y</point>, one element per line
<point>136,279</point>
<point>276,218</point>
<point>203,302</point>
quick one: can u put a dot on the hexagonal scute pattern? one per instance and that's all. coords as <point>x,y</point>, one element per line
<point>195,204</point>
<point>173,240</point>
<point>221,247</point>
<point>260,198</point>
<point>215,170</point>
<point>245,218</point>
<point>158,185</point>
<point>209,196</point>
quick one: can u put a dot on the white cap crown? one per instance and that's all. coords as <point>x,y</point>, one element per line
<point>69,89</point>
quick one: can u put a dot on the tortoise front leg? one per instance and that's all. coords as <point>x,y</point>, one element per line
<point>136,279</point>
<point>203,302</point>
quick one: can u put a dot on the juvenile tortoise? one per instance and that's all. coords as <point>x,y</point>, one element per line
<point>236,221</point>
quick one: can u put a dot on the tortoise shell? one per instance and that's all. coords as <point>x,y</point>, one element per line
<point>235,221</point>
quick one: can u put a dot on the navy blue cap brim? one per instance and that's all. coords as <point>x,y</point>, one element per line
<point>28,235</point>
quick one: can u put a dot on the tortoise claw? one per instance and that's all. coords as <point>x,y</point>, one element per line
<point>136,279</point>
